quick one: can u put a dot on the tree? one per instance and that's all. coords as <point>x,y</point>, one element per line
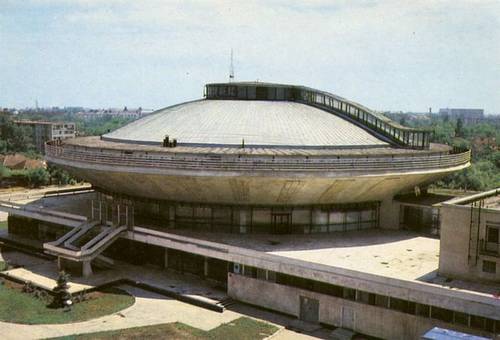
<point>460,127</point>
<point>62,297</point>
<point>59,176</point>
<point>37,177</point>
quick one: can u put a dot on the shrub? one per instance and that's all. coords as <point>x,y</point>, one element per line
<point>38,177</point>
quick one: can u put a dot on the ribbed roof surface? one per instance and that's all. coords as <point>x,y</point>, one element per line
<point>263,123</point>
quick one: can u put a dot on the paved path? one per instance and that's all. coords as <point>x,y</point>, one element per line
<point>149,309</point>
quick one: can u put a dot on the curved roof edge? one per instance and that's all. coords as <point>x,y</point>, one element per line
<point>416,138</point>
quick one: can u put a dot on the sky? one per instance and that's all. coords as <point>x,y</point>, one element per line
<point>387,55</point>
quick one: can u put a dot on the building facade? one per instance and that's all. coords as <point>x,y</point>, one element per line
<point>470,244</point>
<point>468,116</point>
<point>43,132</point>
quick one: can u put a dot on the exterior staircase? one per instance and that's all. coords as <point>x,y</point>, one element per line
<point>85,242</point>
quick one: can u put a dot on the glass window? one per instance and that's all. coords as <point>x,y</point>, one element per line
<point>477,322</point>
<point>442,314</point>
<point>422,310</point>
<point>261,216</point>
<point>336,217</point>
<point>492,234</point>
<point>489,267</point>
<point>320,217</point>
<point>399,305</point>
<point>461,318</point>
<point>382,301</point>
<point>349,294</point>
<point>352,217</point>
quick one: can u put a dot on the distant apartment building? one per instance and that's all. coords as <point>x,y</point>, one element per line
<point>133,113</point>
<point>468,116</point>
<point>43,131</point>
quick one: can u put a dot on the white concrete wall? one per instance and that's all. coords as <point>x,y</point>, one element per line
<point>372,320</point>
<point>421,292</point>
<point>454,246</point>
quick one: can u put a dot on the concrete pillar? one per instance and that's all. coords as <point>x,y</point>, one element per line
<point>389,214</point>
<point>166,258</point>
<point>130,216</point>
<point>104,212</point>
<point>86,268</point>
<point>243,221</point>
<point>171,216</point>
<point>205,268</point>
<point>115,214</point>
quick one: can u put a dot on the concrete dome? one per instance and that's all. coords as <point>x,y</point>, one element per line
<point>258,123</point>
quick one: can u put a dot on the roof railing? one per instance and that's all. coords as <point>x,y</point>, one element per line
<point>362,116</point>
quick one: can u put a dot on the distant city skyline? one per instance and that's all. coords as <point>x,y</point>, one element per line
<point>386,55</point>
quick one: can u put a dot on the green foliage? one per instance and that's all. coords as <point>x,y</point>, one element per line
<point>4,172</point>
<point>459,129</point>
<point>242,328</point>
<point>18,307</point>
<point>14,138</point>
<point>38,177</point>
<point>59,176</point>
<point>62,297</point>
<point>484,172</point>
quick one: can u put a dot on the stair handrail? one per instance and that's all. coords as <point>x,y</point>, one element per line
<point>91,252</point>
<point>81,232</point>
<point>69,234</point>
<point>94,250</point>
<point>97,238</point>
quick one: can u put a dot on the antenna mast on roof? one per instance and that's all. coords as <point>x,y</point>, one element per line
<point>231,68</point>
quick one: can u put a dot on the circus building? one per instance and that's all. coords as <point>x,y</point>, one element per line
<point>289,198</point>
<point>258,157</point>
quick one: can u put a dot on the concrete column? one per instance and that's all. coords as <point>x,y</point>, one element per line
<point>205,267</point>
<point>104,212</point>
<point>171,216</point>
<point>114,214</point>
<point>86,268</point>
<point>243,221</point>
<point>166,258</point>
<point>130,216</point>
<point>389,214</point>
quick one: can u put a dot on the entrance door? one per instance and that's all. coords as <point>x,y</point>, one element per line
<point>347,317</point>
<point>309,309</point>
<point>281,223</point>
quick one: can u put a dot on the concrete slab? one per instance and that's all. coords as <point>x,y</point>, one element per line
<point>392,253</point>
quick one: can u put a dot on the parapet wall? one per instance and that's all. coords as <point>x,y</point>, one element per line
<point>340,163</point>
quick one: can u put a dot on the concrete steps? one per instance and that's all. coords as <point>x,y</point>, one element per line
<point>86,243</point>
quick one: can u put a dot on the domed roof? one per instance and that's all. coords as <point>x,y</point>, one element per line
<point>258,123</point>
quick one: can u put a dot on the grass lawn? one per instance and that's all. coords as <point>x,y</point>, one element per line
<point>242,328</point>
<point>19,307</point>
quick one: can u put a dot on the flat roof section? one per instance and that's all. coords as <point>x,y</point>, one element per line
<point>395,254</point>
<point>392,253</point>
<point>259,123</point>
<point>382,150</point>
